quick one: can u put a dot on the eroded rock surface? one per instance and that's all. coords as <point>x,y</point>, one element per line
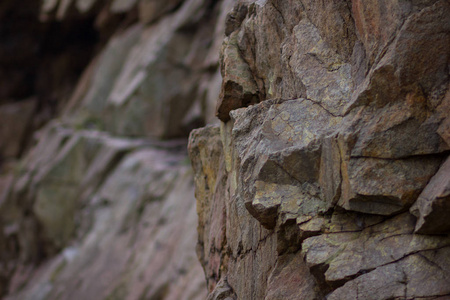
<point>328,177</point>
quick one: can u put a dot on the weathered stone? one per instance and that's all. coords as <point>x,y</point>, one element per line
<point>334,21</point>
<point>350,128</point>
<point>433,205</point>
<point>330,177</point>
<point>297,167</point>
<point>386,132</point>
<point>408,62</point>
<point>222,291</point>
<point>290,279</point>
<point>335,120</point>
<point>326,76</point>
<point>223,241</point>
<point>348,254</point>
<point>235,17</point>
<point>442,111</point>
<point>205,150</point>
<point>421,275</point>
<point>376,29</point>
<point>385,187</point>
<point>238,87</point>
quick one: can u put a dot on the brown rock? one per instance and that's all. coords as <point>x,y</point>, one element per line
<point>334,21</point>
<point>386,132</point>
<point>290,279</point>
<point>415,276</point>
<point>238,86</point>
<point>205,150</point>
<point>433,205</point>
<point>375,28</point>
<point>385,187</point>
<point>350,130</point>
<point>345,255</point>
<point>222,291</point>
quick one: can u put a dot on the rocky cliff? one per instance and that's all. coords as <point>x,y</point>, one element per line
<point>326,176</point>
<point>329,175</point>
<point>96,103</point>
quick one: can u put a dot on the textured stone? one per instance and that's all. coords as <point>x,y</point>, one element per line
<point>284,149</point>
<point>239,89</point>
<point>334,21</point>
<point>386,132</point>
<point>230,240</point>
<point>334,122</point>
<point>290,279</point>
<point>348,254</point>
<point>222,291</point>
<point>422,275</point>
<point>209,176</point>
<point>385,187</point>
<point>433,205</point>
<point>408,62</point>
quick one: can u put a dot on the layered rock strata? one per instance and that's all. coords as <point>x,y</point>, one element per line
<point>328,177</point>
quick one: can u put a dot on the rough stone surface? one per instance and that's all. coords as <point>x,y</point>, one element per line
<point>326,175</point>
<point>433,205</point>
<point>329,177</point>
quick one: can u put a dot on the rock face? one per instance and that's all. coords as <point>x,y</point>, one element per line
<point>325,176</point>
<point>99,202</point>
<point>328,177</point>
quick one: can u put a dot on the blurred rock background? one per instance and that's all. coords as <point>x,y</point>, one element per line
<point>97,99</point>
